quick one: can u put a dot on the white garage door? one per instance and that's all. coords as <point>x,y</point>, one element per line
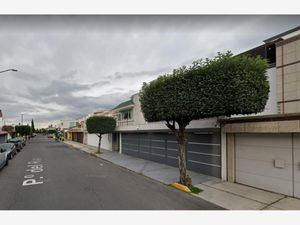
<point>266,161</point>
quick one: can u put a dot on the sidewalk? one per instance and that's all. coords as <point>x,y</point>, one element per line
<point>225,194</point>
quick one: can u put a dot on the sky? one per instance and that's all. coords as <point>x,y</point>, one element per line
<point>71,66</point>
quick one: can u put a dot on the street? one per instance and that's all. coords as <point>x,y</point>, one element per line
<point>50,175</point>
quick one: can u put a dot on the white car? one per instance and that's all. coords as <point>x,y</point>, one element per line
<point>3,157</point>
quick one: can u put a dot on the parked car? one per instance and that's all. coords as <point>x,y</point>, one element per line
<point>3,158</point>
<point>10,149</point>
<point>50,136</point>
<point>22,139</point>
<point>33,134</point>
<point>17,143</point>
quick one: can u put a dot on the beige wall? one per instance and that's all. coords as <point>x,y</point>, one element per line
<point>288,76</point>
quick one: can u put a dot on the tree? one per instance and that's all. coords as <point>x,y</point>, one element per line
<point>222,86</point>
<point>32,126</point>
<point>8,128</point>
<point>100,125</point>
<point>23,130</point>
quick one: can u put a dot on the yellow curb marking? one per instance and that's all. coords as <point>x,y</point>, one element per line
<point>181,187</point>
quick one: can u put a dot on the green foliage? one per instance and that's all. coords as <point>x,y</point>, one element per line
<point>23,130</point>
<point>100,124</point>
<point>223,86</point>
<point>8,128</point>
<point>52,132</point>
<point>32,126</point>
<point>195,190</point>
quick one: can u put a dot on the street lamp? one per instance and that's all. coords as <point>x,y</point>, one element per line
<point>13,70</point>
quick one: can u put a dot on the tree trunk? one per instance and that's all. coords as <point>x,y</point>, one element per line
<point>99,144</point>
<point>181,136</point>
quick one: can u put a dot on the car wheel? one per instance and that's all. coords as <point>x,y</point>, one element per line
<point>11,155</point>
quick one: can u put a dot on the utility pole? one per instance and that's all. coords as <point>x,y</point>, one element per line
<point>22,118</point>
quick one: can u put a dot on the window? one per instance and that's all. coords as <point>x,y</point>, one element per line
<point>126,115</point>
<point>271,53</point>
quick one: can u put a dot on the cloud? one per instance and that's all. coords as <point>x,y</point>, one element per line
<point>70,66</point>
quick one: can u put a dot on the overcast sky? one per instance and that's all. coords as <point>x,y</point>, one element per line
<point>70,66</point>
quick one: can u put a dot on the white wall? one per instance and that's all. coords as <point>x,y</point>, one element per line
<point>106,141</point>
<point>139,122</point>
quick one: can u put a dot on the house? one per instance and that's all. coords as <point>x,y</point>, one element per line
<point>10,130</point>
<point>260,150</point>
<point>75,134</point>
<point>154,141</point>
<point>64,125</point>
<point>263,150</point>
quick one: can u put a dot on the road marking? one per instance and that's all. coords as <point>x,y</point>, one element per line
<point>34,166</point>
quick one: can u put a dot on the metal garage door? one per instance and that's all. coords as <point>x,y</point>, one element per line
<point>203,150</point>
<point>204,153</point>
<point>269,161</point>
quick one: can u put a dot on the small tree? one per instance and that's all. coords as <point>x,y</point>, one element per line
<point>222,86</point>
<point>32,126</point>
<point>23,130</point>
<point>100,125</point>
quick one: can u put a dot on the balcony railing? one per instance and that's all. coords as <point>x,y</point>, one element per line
<point>124,123</point>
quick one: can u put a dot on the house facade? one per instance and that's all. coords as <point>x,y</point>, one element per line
<point>64,125</point>
<point>260,150</point>
<point>154,141</point>
<point>264,150</point>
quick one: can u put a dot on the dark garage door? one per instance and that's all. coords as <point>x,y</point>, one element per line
<point>203,150</point>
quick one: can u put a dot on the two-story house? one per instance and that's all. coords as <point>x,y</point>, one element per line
<point>261,150</point>
<point>264,150</point>
<point>154,141</point>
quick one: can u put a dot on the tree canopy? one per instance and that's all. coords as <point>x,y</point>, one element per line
<point>100,124</point>
<point>32,126</point>
<point>223,86</point>
<point>23,130</point>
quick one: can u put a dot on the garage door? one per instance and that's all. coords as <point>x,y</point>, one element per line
<point>269,161</point>
<point>203,150</point>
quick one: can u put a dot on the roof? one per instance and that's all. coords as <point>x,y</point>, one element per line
<point>75,129</point>
<point>260,118</point>
<point>123,104</point>
<point>282,34</point>
<point>102,113</point>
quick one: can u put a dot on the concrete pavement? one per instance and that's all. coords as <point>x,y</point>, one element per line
<point>225,194</point>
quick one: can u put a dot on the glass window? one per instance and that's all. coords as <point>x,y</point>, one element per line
<point>126,115</point>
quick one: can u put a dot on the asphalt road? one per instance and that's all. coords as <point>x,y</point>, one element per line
<point>48,175</point>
